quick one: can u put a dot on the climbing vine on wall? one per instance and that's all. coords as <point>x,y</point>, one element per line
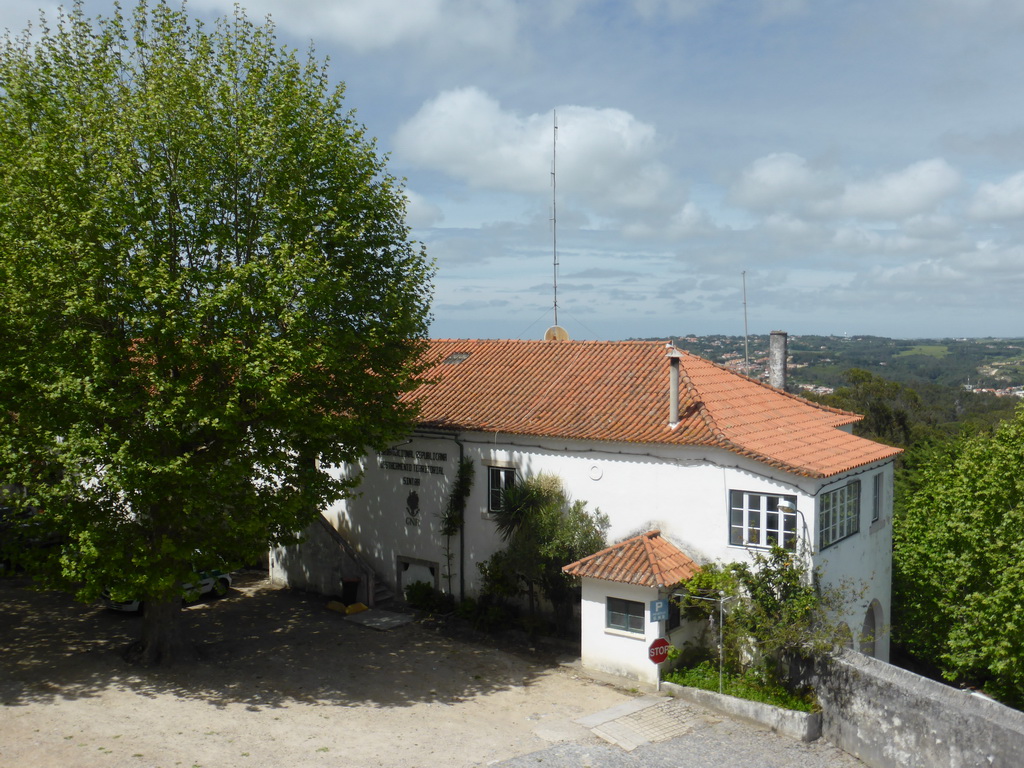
<point>454,514</point>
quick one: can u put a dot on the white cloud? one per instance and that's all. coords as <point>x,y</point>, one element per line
<point>857,238</point>
<point>931,226</point>
<point>784,182</point>
<point>671,9</point>
<point>690,220</point>
<point>597,273</point>
<point>420,213</point>
<point>990,11</point>
<point>982,269</point>
<point>779,179</point>
<point>788,225</point>
<point>605,157</point>
<point>367,25</point>
<point>1000,200</point>
<point>466,134</point>
<point>678,10</point>
<point>778,9</point>
<point>916,189</point>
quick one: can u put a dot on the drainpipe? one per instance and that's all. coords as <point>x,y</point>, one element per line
<point>462,532</point>
<point>777,354</point>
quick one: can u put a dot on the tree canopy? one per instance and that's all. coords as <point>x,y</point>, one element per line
<point>208,297</point>
<point>957,566</point>
<point>891,411</point>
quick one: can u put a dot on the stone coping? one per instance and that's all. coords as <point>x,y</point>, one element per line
<point>805,726</point>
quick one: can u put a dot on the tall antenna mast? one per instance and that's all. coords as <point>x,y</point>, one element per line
<point>554,213</point>
<point>555,332</point>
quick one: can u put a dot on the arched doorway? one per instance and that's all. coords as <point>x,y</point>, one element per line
<point>869,632</point>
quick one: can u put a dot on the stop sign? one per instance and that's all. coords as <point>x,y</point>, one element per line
<point>659,650</point>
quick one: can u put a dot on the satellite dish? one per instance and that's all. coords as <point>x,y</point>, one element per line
<point>556,333</point>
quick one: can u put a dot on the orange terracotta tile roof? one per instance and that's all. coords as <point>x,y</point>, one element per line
<point>646,560</point>
<point>618,391</point>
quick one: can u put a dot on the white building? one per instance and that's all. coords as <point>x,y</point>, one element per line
<point>654,437</point>
<point>620,615</point>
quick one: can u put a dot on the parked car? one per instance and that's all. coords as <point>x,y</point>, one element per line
<point>214,583</point>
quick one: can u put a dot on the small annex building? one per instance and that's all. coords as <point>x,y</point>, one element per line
<point>656,438</point>
<point>634,574</point>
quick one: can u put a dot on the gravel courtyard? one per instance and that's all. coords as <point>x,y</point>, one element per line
<point>286,682</point>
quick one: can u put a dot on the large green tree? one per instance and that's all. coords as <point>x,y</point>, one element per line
<point>958,568</point>
<point>208,297</point>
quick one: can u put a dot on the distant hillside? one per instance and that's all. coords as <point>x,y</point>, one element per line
<point>822,360</point>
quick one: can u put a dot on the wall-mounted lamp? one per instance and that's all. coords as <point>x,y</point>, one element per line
<point>790,509</point>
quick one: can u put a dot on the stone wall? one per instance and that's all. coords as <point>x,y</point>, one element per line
<point>891,718</point>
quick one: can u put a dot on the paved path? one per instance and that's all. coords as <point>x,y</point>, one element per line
<point>658,732</point>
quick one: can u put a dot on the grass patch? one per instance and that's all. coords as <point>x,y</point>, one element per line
<point>929,350</point>
<point>746,686</point>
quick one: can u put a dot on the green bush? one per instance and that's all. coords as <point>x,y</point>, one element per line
<point>749,686</point>
<point>424,597</point>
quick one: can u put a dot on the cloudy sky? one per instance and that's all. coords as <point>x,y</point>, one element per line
<point>860,163</point>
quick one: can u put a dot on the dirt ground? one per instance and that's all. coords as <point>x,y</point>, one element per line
<point>283,682</point>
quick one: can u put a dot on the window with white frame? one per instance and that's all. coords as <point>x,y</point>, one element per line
<point>499,479</point>
<point>762,519</point>
<point>839,513</point>
<point>625,615</point>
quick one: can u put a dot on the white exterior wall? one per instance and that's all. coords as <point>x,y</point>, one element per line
<point>861,564</point>
<point>379,520</point>
<point>682,491</point>
<point>610,650</point>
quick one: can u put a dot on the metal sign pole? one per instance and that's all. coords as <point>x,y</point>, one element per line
<point>721,600</point>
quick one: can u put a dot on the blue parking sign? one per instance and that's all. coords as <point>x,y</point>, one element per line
<point>659,610</point>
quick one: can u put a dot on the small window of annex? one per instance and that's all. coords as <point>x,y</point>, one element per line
<point>625,615</point>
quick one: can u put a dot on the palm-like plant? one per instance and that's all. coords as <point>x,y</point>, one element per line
<point>545,529</point>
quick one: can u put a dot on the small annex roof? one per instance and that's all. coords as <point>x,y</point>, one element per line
<point>646,560</point>
<point>619,391</point>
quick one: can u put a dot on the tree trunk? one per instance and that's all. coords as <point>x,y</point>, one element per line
<point>164,641</point>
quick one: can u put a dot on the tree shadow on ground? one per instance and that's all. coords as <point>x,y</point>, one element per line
<point>261,647</point>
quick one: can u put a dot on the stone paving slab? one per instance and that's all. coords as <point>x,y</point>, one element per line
<point>620,734</point>
<point>655,732</point>
<point>667,720</point>
<point>621,710</point>
<point>375,618</point>
<point>645,720</point>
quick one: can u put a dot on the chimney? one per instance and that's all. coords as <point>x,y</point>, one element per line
<point>673,385</point>
<point>777,354</point>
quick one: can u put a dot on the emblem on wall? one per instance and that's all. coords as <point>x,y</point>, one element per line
<point>412,509</point>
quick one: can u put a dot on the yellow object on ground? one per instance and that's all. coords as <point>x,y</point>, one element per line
<point>356,608</point>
